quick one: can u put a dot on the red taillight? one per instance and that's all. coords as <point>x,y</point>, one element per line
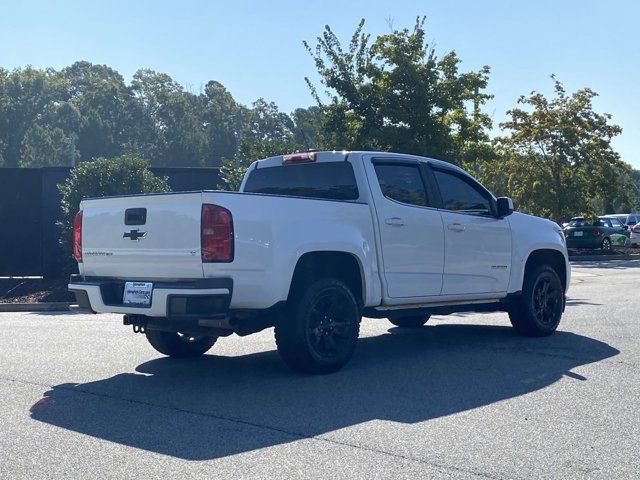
<point>635,229</point>
<point>306,157</point>
<point>596,232</point>
<point>77,237</point>
<point>216,234</point>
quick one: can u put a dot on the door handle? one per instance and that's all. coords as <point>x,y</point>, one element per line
<point>456,227</point>
<point>394,221</point>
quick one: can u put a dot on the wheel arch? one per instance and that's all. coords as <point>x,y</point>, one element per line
<point>330,263</point>
<point>547,256</point>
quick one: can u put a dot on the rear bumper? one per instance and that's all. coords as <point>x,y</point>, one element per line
<point>589,242</point>
<point>200,298</point>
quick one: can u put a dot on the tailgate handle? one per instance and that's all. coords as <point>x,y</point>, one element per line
<point>135,216</point>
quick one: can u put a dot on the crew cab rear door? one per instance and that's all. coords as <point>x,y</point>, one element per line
<point>411,231</point>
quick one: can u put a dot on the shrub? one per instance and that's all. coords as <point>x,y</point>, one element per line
<point>124,175</point>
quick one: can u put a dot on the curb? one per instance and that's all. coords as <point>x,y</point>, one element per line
<point>35,307</point>
<point>590,258</point>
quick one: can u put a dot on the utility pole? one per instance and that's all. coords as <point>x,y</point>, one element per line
<point>238,132</point>
<point>72,150</point>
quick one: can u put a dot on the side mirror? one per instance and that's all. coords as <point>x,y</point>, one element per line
<point>505,207</point>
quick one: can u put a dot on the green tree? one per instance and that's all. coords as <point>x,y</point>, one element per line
<point>51,139</point>
<point>232,170</point>
<point>222,123</point>
<point>557,159</point>
<point>633,203</point>
<point>266,132</point>
<point>177,119</point>
<point>45,146</point>
<point>308,128</point>
<point>397,94</point>
<point>27,97</point>
<point>106,104</point>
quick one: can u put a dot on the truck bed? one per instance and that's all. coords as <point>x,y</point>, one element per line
<point>270,233</point>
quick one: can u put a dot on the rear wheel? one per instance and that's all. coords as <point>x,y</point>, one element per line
<point>537,312</point>
<point>177,344</point>
<point>411,321</point>
<point>320,331</point>
<point>606,245</point>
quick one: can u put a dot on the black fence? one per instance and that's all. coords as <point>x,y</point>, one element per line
<point>30,208</point>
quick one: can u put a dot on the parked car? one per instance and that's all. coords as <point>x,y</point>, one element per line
<point>621,217</point>
<point>634,235</point>
<point>311,243</point>
<point>632,219</point>
<point>602,233</point>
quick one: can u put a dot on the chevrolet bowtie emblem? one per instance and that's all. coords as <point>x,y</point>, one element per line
<point>134,235</point>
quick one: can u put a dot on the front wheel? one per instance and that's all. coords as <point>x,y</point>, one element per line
<point>177,344</point>
<point>320,331</point>
<point>537,312</point>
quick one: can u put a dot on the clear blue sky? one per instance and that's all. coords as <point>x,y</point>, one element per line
<point>255,49</point>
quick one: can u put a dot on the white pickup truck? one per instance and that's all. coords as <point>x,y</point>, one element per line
<point>311,243</point>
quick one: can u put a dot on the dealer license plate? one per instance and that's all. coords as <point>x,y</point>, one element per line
<point>137,293</point>
<point>577,234</point>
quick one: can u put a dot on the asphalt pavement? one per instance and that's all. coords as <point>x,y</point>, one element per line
<point>82,396</point>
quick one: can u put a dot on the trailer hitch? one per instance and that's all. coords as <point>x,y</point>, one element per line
<point>139,322</point>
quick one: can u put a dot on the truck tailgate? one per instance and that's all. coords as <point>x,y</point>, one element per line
<point>142,237</point>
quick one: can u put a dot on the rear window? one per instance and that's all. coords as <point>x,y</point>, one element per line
<point>615,222</point>
<point>326,180</point>
<point>581,222</point>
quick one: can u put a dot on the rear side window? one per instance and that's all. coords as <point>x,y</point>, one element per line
<point>402,183</point>
<point>327,180</point>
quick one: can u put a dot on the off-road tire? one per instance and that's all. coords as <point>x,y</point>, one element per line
<point>319,332</point>
<point>537,312</point>
<point>178,345</point>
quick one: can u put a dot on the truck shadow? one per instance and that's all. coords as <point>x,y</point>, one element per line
<point>217,406</point>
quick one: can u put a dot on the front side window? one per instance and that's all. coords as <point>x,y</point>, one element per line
<point>459,195</point>
<point>402,183</point>
<point>615,223</point>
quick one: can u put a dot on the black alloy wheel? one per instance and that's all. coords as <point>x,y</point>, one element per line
<point>320,331</point>
<point>546,301</point>
<point>331,323</point>
<point>538,310</point>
